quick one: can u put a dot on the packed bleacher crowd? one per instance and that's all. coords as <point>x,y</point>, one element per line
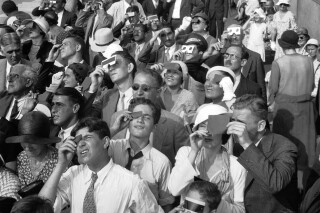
<point>156,106</point>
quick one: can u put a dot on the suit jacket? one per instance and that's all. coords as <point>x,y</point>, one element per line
<point>168,136</point>
<point>254,70</point>
<point>187,8</point>
<point>68,18</point>
<point>271,183</point>
<point>42,53</point>
<point>151,55</point>
<point>131,48</point>
<point>149,8</point>
<point>217,8</point>
<point>5,102</point>
<point>311,202</point>
<point>106,105</point>
<point>3,70</point>
<point>246,86</point>
<point>86,21</point>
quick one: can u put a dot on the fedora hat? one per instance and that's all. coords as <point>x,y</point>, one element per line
<point>102,39</point>
<point>41,22</point>
<point>289,40</point>
<point>34,127</point>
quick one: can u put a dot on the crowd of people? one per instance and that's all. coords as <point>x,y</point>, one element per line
<point>156,106</point>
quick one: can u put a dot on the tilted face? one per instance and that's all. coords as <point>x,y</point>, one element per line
<point>283,7</point>
<point>302,40</point>
<point>142,127</point>
<point>33,150</point>
<point>195,52</point>
<point>119,72</point>
<point>12,52</point>
<point>69,79</point>
<point>138,34</point>
<point>68,48</point>
<point>17,83</point>
<point>212,88</point>
<point>167,37</point>
<point>91,148</point>
<point>199,24</point>
<point>145,86</point>
<point>173,77</point>
<point>312,51</point>
<point>196,196</point>
<point>58,6</point>
<point>35,31</point>
<point>63,110</point>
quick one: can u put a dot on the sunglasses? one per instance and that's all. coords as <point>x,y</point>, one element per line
<point>302,37</point>
<point>144,87</point>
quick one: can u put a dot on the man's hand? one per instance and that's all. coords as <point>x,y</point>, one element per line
<point>44,4</point>
<point>177,209</point>
<point>239,130</point>
<point>54,53</point>
<point>186,21</point>
<point>67,151</point>
<point>178,55</point>
<point>57,78</point>
<point>96,78</point>
<point>155,36</point>
<point>197,140</point>
<point>30,103</point>
<point>157,67</point>
<point>121,122</point>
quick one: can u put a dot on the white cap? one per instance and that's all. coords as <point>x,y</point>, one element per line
<point>283,2</point>
<point>208,109</point>
<point>312,41</point>
<point>222,69</point>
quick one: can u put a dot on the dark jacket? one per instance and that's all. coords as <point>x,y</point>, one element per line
<point>217,8</point>
<point>68,18</point>
<point>149,8</point>
<point>247,86</point>
<point>42,53</point>
<point>187,8</point>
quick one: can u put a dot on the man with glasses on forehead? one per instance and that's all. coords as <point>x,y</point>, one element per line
<point>117,99</point>
<point>137,154</point>
<point>169,134</point>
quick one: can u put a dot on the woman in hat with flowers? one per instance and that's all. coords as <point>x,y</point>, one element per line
<point>39,157</point>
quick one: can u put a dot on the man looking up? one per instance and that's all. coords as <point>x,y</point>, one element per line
<point>97,185</point>
<point>137,154</point>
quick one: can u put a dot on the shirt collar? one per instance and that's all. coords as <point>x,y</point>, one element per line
<point>102,174</point>
<point>145,151</point>
<point>128,93</point>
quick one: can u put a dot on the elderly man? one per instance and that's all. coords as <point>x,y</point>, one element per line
<point>270,159</point>
<point>98,184</point>
<point>17,101</point>
<point>11,48</point>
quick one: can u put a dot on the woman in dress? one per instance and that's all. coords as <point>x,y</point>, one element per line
<point>291,84</point>
<point>208,160</point>
<point>176,99</point>
<point>282,20</point>
<point>39,157</point>
<point>37,49</point>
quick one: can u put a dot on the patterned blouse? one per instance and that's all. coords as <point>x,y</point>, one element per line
<point>9,184</point>
<point>24,169</point>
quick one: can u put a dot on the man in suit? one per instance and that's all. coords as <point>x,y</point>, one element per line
<point>11,48</point>
<point>163,53</point>
<point>117,99</point>
<point>217,11</point>
<point>169,134</point>
<point>235,59</point>
<point>65,18</point>
<point>139,44</point>
<point>178,9</point>
<point>270,159</point>
<point>17,101</point>
<point>154,7</point>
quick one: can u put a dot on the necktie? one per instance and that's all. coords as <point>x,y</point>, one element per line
<point>121,103</point>
<point>137,156</point>
<point>137,53</point>
<point>167,55</point>
<point>89,205</point>
<point>15,110</point>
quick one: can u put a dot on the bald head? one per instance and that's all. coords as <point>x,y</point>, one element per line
<point>21,80</point>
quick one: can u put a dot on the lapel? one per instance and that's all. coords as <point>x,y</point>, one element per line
<point>110,106</point>
<point>90,26</point>
<point>265,147</point>
<point>5,102</point>
<point>3,68</point>
<point>64,18</point>
<point>160,131</point>
<point>242,87</point>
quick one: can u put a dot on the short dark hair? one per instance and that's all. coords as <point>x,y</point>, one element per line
<point>142,26</point>
<point>129,59</point>
<point>79,70</point>
<point>74,96</point>
<point>51,17</point>
<point>208,191</point>
<point>78,40</point>
<point>133,8</point>
<point>168,25</point>
<point>34,204</point>
<point>244,52</point>
<point>154,74</point>
<point>9,6</point>
<point>77,31</point>
<point>95,125</point>
<point>5,29</point>
<point>156,111</point>
<point>253,103</point>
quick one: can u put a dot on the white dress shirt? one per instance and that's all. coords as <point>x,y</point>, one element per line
<point>127,98</point>
<point>116,190</point>
<point>316,66</point>
<point>176,9</point>
<point>60,18</point>
<point>172,49</point>
<point>154,167</point>
<point>7,72</point>
<point>155,3</point>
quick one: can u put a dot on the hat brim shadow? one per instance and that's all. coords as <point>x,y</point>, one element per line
<point>100,49</point>
<point>286,45</point>
<point>33,139</point>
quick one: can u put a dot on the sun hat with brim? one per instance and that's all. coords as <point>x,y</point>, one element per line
<point>222,69</point>
<point>202,15</point>
<point>102,39</point>
<point>34,128</point>
<point>283,2</point>
<point>41,22</point>
<point>289,40</point>
<point>111,49</point>
<point>205,110</point>
<point>312,41</point>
